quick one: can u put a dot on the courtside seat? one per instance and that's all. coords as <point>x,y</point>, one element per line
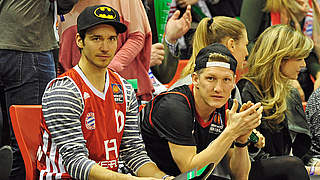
<point>26,121</point>
<point>176,77</point>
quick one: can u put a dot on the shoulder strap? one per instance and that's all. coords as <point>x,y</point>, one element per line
<point>162,94</point>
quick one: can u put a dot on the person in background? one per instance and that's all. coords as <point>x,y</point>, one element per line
<point>259,15</point>
<point>200,10</point>
<point>276,58</point>
<point>166,68</point>
<point>185,42</point>
<point>132,59</point>
<point>228,8</point>
<point>165,54</point>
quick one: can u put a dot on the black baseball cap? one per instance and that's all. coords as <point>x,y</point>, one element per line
<point>204,54</point>
<point>100,14</point>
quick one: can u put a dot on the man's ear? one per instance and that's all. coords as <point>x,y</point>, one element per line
<point>231,45</point>
<point>195,79</point>
<point>79,41</point>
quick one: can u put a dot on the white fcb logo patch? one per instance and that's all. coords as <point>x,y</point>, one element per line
<point>90,121</point>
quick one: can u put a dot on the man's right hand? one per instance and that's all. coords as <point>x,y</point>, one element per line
<point>157,54</point>
<point>242,123</point>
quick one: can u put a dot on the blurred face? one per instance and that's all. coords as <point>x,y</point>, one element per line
<point>240,51</point>
<point>213,86</point>
<point>291,67</point>
<point>99,45</point>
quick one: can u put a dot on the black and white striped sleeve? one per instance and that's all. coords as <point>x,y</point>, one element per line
<point>313,119</point>
<point>132,148</point>
<point>62,106</point>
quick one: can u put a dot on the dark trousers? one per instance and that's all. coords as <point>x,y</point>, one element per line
<point>24,76</point>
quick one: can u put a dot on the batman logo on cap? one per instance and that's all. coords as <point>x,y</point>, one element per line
<point>105,12</point>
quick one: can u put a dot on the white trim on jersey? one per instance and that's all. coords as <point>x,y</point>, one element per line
<point>94,90</point>
<point>51,160</point>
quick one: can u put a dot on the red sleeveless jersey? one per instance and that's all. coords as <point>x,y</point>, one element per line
<point>102,123</point>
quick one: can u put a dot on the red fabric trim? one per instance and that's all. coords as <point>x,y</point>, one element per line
<point>225,112</point>
<point>191,88</point>
<point>201,121</point>
<point>275,18</point>
<point>141,107</point>
<point>203,124</point>
<point>150,121</point>
<point>198,118</point>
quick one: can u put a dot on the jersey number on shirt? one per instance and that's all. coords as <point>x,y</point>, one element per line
<point>119,120</point>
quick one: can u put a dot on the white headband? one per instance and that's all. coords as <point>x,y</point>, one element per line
<point>218,64</point>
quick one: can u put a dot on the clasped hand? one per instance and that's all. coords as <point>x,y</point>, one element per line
<point>243,122</point>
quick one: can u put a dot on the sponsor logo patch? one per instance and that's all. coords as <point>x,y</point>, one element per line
<point>90,121</point>
<point>216,129</point>
<point>117,93</point>
<point>217,125</point>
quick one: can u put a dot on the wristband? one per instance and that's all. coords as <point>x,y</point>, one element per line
<point>312,169</point>
<point>240,144</point>
<point>165,176</point>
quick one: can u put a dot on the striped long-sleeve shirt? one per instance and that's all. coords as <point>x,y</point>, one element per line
<point>313,119</point>
<point>63,105</point>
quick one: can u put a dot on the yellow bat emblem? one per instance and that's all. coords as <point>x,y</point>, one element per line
<point>105,12</point>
